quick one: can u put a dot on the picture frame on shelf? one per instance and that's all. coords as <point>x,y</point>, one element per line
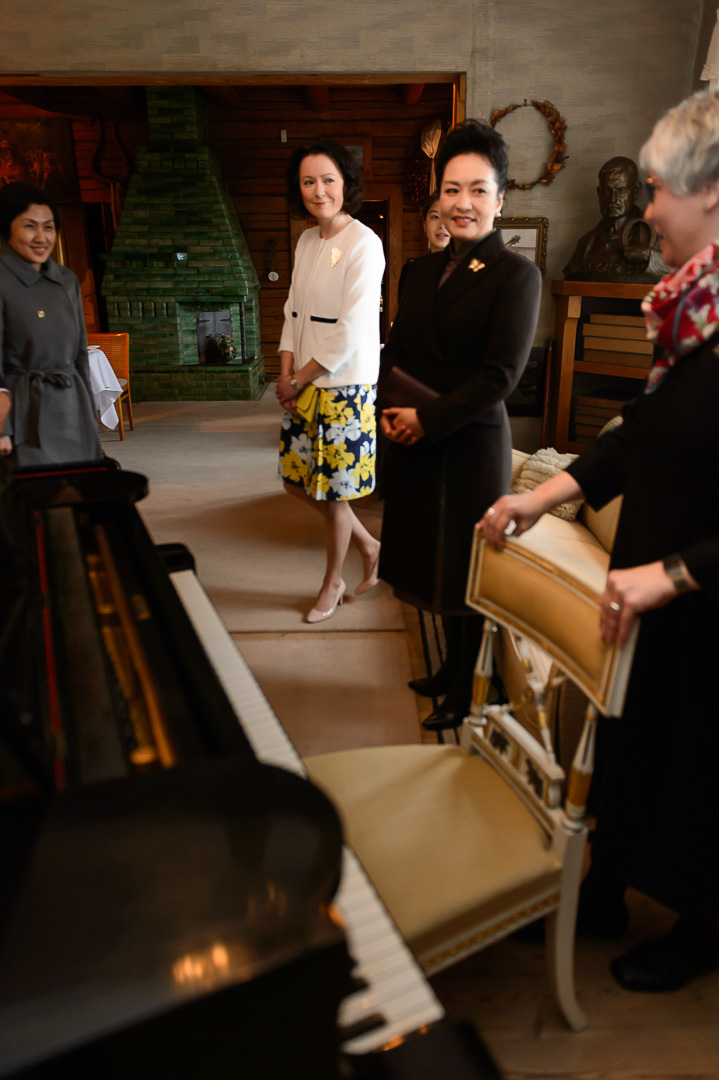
<point>527,236</point>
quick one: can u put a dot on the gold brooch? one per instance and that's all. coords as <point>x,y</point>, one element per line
<point>476,265</point>
<point>41,314</point>
<point>335,257</point>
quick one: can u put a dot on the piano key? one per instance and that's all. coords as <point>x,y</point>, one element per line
<point>397,988</point>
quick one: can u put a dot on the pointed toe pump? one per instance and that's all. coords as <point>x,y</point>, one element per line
<point>318,615</point>
<point>371,580</point>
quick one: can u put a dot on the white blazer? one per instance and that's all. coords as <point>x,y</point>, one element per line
<point>332,311</point>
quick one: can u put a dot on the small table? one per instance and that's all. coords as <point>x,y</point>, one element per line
<point>105,387</point>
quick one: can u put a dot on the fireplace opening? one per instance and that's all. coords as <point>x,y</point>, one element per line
<point>211,327</point>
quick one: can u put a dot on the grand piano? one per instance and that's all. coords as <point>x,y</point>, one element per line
<point>175,895</point>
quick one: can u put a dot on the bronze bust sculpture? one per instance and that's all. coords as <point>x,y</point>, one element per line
<point>622,246</point>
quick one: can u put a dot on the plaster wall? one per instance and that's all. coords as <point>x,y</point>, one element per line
<point>608,67</point>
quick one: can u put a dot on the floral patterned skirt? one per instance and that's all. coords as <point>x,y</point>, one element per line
<point>332,456</point>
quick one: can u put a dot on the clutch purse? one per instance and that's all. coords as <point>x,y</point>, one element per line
<point>401,390</point>
<point>307,401</point>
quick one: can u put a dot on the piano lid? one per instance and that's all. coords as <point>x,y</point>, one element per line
<point>145,893</point>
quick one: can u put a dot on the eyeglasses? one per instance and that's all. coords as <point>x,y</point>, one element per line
<point>650,188</point>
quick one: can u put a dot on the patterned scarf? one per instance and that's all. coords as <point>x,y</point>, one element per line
<point>682,311</point>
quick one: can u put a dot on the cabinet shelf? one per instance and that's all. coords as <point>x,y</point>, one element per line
<point>570,296</point>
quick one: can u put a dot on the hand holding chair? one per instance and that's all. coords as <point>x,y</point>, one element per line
<point>116,348</point>
<point>466,844</point>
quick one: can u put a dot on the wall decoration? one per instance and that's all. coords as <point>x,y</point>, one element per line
<point>360,146</point>
<point>526,236</point>
<point>39,152</point>
<point>557,126</point>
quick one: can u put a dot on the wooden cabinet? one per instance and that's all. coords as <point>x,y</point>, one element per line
<point>571,298</point>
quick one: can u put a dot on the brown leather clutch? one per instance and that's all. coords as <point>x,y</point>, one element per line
<point>401,390</point>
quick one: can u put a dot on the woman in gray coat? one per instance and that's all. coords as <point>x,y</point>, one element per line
<point>43,345</point>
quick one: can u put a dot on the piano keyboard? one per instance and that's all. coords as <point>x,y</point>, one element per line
<point>396,986</point>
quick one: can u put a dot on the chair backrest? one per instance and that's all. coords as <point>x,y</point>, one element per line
<point>546,593</point>
<point>116,348</point>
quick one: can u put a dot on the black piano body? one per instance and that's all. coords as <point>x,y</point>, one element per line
<point>166,899</point>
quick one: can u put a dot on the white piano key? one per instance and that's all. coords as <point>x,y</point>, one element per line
<point>397,987</point>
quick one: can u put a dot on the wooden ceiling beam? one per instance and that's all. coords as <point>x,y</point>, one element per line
<point>412,92</point>
<point>102,78</point>
<point>318,98</point>
<point>224,96</point>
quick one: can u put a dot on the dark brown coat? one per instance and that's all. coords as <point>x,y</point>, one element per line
<point>470,341</point>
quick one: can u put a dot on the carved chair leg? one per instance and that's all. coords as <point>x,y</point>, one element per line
<point>560,926</point>
<point>483,669</point>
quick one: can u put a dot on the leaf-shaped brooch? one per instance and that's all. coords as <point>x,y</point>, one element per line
<point>335,256</point>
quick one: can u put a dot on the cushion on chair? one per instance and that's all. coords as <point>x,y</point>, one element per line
<point>541,466</point>
<point>603,523</point>
<point>446,842</point>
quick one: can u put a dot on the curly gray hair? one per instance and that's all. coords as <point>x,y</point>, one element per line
<point>683,148</point>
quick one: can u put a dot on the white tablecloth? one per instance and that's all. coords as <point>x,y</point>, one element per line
<point>105,387</point>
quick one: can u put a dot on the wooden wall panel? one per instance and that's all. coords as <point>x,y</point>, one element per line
<point>244,131</point>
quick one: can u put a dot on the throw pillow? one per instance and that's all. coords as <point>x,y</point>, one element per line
<point>538,468</point>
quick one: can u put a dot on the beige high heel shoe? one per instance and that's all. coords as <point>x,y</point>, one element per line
<point>370,581</point>
<point>318,615</point>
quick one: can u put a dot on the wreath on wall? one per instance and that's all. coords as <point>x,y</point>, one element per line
<point>557,125</point>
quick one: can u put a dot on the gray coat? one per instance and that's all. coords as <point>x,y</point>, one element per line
<point>43,362</point>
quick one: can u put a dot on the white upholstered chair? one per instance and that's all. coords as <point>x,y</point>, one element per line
<point>466,844</point>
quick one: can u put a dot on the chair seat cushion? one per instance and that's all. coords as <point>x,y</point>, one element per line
<point>446,842</point>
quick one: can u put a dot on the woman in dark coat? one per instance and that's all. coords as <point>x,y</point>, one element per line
<point>658,817</point>
<point>43,345</point>
<point>464,328</point>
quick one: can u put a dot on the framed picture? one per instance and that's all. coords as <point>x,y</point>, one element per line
<point>360,146</point>
<point>40,152</point>
<point>526,236</point>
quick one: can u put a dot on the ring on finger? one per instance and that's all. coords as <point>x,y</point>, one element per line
<point>615,606</point>
<point>491,512</point>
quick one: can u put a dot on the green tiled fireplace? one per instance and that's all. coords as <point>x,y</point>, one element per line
<point>180,251</point>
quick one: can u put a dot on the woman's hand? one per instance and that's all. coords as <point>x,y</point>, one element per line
<point>5,445</point>
<point>284,391</point>
<point>523,510</point>
<point>628,593</point>
<point>401,425</point>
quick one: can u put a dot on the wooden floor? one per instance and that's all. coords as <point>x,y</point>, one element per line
<point>504,991</point>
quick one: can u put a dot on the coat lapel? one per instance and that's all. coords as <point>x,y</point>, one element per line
<point>426,300</point>
<point>471,272</point>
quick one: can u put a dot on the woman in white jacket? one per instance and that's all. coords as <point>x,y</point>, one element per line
<point>331,339</point>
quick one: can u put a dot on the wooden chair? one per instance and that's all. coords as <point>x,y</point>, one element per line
<point>468,843</point>
<point>116,348</point>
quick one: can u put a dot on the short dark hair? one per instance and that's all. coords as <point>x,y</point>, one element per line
<point>345,162</point>
<point>428,204</point>
<point>14,201</point>
<point>474,137</point>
